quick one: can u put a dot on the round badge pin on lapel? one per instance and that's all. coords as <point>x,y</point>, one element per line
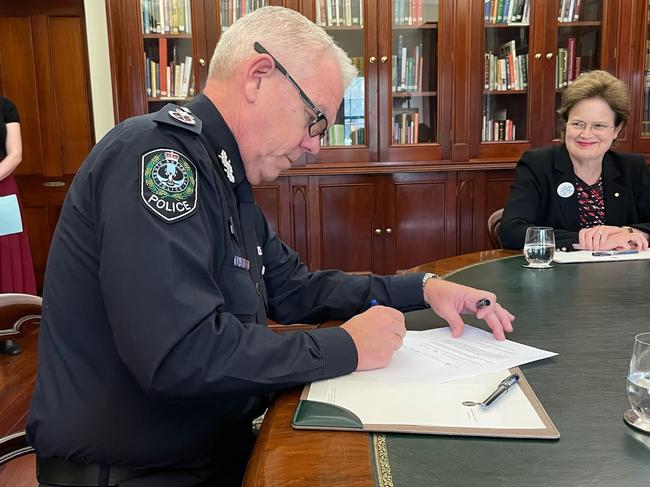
<point>565,190</point>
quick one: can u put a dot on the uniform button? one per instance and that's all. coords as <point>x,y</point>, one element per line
<point>616,195</point>
<point>258,288</point>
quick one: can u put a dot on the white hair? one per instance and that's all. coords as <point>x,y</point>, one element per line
<point>281,31</point>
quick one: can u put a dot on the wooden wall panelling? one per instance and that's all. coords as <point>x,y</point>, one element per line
<point>466,192</point>
<point>51,164</point>
<point>202,47</point>
<point>19,85</point>
<point>299,237</point>
<point>632,63</point>
<point>468,31</point>
<point>126,55</point>
<point>541,73</point>
<point>446,85</point>
<point>70,84</point>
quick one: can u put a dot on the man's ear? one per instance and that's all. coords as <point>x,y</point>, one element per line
<point>257,69</point>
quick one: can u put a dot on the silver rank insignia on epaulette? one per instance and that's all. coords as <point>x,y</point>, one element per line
<point>182,115</point>
<point>227,166</point>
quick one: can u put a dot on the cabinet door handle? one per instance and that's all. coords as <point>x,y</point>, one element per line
<point>538,55</point>
<point>372,59</point>
<point>389,231</point>
<point>202,61</point>
<point>54,184</point>
<point>377,231</point>
<point>549,55</point>
<point>384,59</point>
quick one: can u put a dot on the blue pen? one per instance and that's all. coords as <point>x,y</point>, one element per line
<point>609,253</point>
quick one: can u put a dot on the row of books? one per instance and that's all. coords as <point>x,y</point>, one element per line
<point>173,80</point>
<point>569,10</point>
<point>568,66</point>
<point>414,12</point>
<point>231,10</point>
<point>339,134</point>
<point>498,130</point>
<point>166,17</point>
<point>507,12</point>
<point>508,71</point>
<point>406,124</point>
<point>407,69</point>
<point>338,13</point>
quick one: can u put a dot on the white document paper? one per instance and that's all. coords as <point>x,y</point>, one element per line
<point>586,256</point>
<point>434,356</point>
<point>10,221</point>
<point>429,404</point>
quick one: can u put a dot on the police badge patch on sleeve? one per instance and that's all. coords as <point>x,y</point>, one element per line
<point>169,184</point>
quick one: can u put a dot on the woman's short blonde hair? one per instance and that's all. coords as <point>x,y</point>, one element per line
<point>597,84</point>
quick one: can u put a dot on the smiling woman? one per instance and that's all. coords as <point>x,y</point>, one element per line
<point>593,197</point>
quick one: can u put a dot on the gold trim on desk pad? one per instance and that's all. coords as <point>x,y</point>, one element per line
<point>381,463</point>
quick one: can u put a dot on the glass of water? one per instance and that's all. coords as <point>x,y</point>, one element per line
<point>638,383</point>
<point>539,247</point>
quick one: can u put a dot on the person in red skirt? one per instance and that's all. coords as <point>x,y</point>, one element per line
<point>16,268</point>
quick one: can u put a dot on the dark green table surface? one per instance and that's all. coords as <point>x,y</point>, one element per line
<point>589,314</point>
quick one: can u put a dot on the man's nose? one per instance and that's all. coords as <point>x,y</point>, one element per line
<point>311,144</point>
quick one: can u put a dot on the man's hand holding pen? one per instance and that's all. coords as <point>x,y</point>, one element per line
<point>449,300</point>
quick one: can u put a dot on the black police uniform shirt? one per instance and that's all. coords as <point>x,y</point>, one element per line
<point>153,340</point>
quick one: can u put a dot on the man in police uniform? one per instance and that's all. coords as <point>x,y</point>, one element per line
<point>154,355</point>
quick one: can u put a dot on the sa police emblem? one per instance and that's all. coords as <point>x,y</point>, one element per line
<point>169,184</point>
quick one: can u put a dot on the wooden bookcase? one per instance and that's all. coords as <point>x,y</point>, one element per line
<point>433,191</point>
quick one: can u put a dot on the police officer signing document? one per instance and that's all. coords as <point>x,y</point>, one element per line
<point>154,353</point>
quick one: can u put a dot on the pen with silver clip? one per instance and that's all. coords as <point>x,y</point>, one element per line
<point>501,389</point>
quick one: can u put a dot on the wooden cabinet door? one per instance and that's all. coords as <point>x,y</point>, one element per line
<point>480,193</point>
<point>420,219</point>
<point>413,61</point>
<point>44,71</point>
<point>344,214</point>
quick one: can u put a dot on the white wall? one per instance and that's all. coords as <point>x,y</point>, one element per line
<point>100,68</point>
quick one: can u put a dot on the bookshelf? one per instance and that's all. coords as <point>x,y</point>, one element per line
<point>505,71</point>
<point>168,52</point>
<point>392,109</point>
<point>413,72</point>
<point>344,21</point>
<point>231,10</point>
<point>532,50</point>
<point>579,25</point>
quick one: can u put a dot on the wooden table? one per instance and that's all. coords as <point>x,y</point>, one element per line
<point>588,313</point>
<point>284,456</point>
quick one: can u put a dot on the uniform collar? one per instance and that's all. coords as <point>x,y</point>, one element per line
<point>220,138</point>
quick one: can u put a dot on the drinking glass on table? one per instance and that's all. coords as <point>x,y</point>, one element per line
<point>638,384</point>
<point>539,247</point>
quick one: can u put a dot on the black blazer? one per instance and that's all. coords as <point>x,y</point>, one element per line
<point>534,200</point>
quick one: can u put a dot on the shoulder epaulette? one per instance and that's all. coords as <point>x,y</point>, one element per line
<point>178,116</point>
